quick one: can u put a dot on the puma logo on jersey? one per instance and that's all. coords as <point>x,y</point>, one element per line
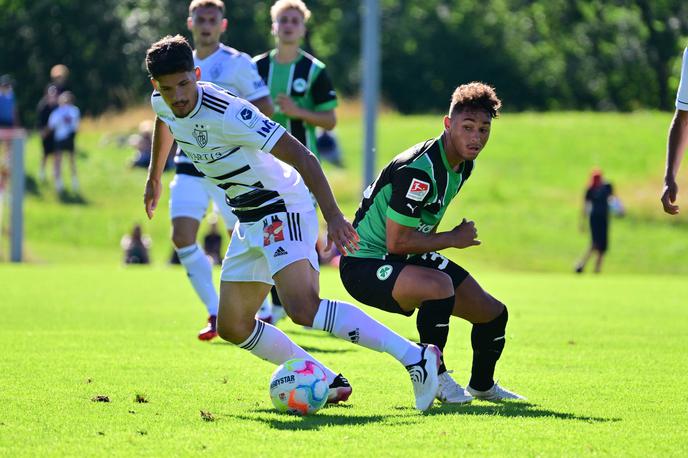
<point>412,207</point>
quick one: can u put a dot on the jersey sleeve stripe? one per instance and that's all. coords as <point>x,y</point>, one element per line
<point>271,135</point>
<point>220,106</point>
<point>218,100</point>
<point>211,107</point>
<point>402,219</point>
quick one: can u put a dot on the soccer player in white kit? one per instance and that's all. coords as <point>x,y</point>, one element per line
<point>266,175</point>
<point>677,142</point>
<point>190,193</point>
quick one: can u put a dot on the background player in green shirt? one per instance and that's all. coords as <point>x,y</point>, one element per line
<point>398,269</point>
<point>299,85</point>
<point>303,93</point>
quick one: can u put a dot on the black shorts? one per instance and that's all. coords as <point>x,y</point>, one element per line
<point>599,230</point>
<point>371,281</point>
<point>48,145</point>
<point>65,145</point>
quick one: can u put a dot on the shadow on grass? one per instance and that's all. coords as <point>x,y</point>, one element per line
<point>72,198</point>
<point>510,409</point>
<point>322,419</point>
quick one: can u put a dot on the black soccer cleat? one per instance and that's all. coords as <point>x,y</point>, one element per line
<point>340,390</point>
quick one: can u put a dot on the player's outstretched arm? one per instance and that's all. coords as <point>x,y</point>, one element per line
<point>162,144</point>
<point>676,146</point>
<point>339,230</point>
<point>407,240</point>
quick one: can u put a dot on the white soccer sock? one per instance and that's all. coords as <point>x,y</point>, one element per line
<point>200,273</point>
<point>269,343</point>
<point>350,323</point>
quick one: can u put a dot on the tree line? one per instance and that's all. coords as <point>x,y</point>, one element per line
<point>540,54</point>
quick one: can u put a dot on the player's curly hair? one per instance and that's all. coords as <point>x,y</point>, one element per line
<point>475,95</point>
<point>171,54</point>
<point>219,4</point>
<point>282,5</point>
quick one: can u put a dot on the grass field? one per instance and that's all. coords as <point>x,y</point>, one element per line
<point>601,360</point>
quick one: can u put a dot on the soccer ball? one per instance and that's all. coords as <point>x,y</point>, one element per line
<point>299,387</point>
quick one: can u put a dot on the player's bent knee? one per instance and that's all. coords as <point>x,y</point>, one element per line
<point>438,286</point>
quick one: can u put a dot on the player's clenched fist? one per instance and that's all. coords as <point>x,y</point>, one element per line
<point>465,235</point>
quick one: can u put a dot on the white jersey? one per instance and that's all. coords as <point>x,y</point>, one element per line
<point>229,141</point>
<point>234,71</point>
<point>64,121</point>
<point>682,95</point>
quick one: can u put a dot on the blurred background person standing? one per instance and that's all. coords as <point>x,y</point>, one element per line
<point>64,123</point>
<point>599,200</point>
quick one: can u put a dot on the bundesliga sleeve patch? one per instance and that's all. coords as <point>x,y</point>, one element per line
<point>418,190</point>
<point>247,117</point>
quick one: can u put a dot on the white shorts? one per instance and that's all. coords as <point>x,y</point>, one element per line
<point>259,250</point>
<point>189,196</point>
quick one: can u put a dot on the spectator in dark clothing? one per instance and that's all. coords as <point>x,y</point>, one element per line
<point>143,142</point>
<point>598,198</point>
<point>46,105</point>
<point>136,247</point>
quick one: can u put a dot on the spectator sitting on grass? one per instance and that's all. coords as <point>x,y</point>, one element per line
<point>135,246</point>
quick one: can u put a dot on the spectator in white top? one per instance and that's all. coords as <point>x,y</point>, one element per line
<point>64,122</point>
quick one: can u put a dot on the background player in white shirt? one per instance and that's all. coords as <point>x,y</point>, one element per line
<point>190,193</point>
<point>64,122</point>
<point>677,141</point>
<point>264,172</point>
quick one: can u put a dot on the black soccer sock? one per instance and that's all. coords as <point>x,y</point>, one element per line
<point>275,297</point>
<point>432,322</point>
<point>488,341</point>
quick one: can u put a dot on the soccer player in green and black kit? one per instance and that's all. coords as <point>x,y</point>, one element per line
<point>299,85</point>
<point>303,92</point>
<point>398,267</point>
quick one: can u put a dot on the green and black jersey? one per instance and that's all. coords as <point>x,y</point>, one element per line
<point>413,190</point>
<point>306,82</point>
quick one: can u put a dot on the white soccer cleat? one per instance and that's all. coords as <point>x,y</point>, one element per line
<point>450,392</point>
<point>496,393</point>
<point>424,376</point>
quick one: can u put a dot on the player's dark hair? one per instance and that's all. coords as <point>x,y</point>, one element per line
<point>475,96</point>
<point>171,54</point>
